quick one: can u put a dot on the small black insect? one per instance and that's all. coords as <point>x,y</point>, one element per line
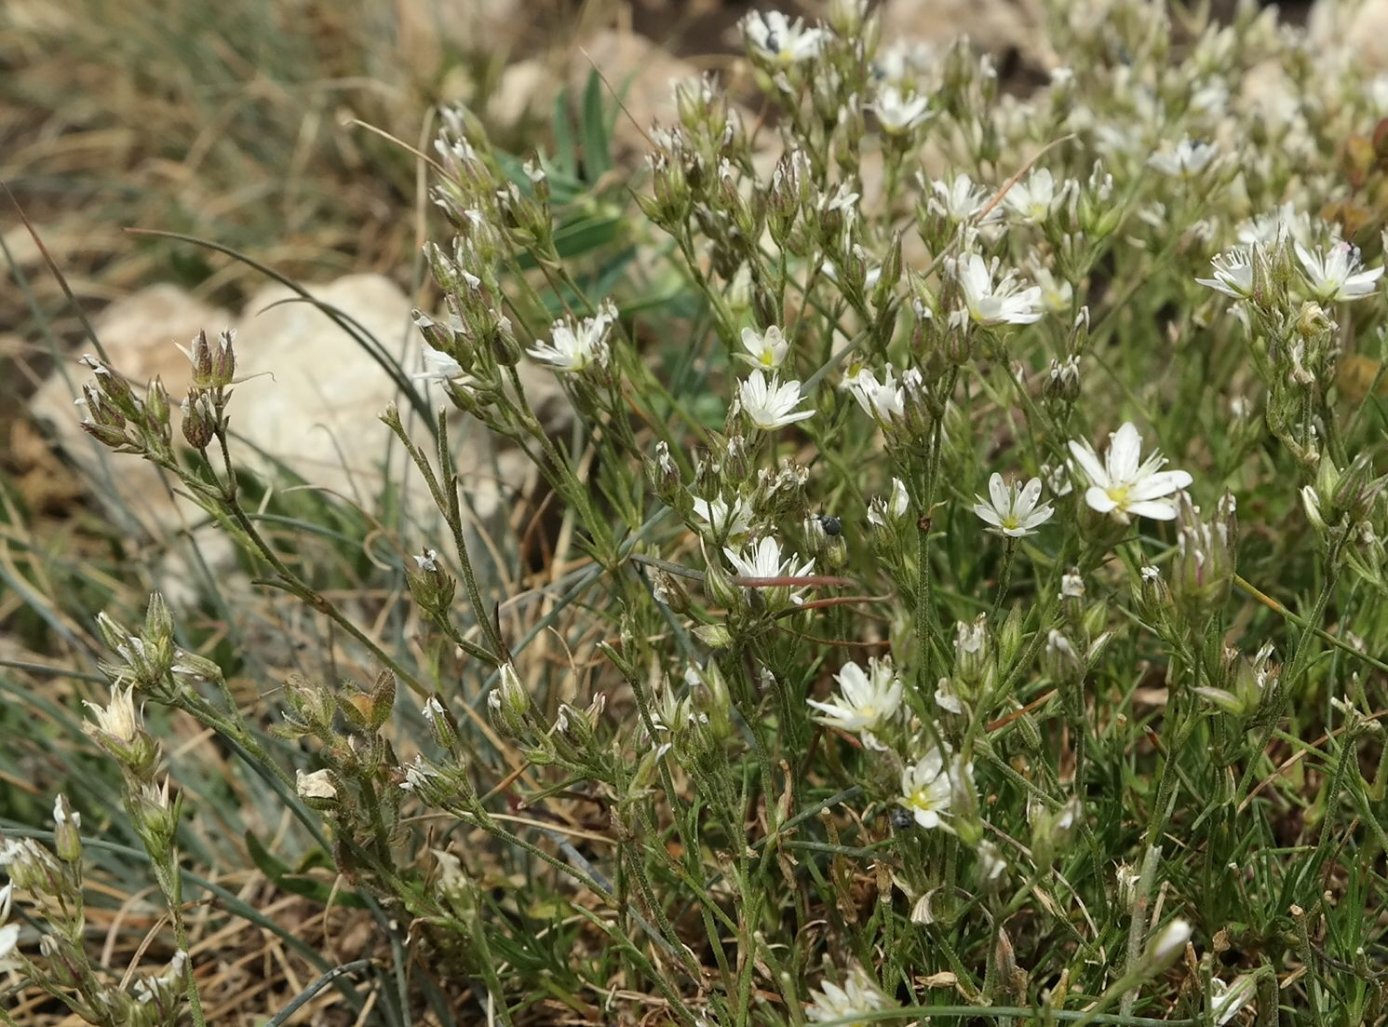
<point>901,819</point>
<point>833,526</point>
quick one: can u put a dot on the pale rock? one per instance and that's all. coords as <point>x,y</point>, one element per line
<point>426,29</point>
<point>306,403</point>
<point>994,26</point>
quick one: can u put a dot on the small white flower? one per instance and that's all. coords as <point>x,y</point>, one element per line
<point>318,785</point>
<point>866,698</point>
<point>779,40</point>
<point>1012,510</point>
<point>118,719</point>
<point>770,404</point>
<point>1233,272</point>
<point>858,996</point>
<point>725,521</point>
<point>438,366</point>
<point>1057,294</point>
<point>895,507</point>
<point>1187,160</point>
<point>884,401</point>
<point>1122,485</point>
<point>763,560</point>
<point>433,708</point>
<point>428,560</point>
<point>1072,585</point>
<point>897,112</point>
<point>1286,222</point>
<point>1336,275</point>
<point>926,790</point>
<point>960,200</point>
<point>766,349</point>
<point>1033,199</point>
<point>575,347</point>
<point>1003,302</point>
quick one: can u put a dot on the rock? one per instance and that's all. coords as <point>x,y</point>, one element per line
<point>307,403</point>
<point>994,26</point>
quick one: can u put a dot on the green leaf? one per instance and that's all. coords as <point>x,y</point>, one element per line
<point>287,880</point>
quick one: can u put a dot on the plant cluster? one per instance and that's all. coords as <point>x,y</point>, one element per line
<point>974,571</point>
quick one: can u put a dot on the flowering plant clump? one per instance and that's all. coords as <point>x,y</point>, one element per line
<point>848,627</point>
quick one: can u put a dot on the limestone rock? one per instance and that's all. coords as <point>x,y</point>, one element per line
<point>307,404</point>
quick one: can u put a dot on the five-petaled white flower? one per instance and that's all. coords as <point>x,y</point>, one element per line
<point>960,200</point>
<point>1121,485</point>
<point>858,996</point>
<point>1233,272</point>
<point>1003,302</point>
<point>866,698</point>
<point>898,113</point>
<point>926,790</point>
<point>1187,160</point>
<point>1336,276</point>
<point>770,403</point>
<point>574,347</point>
<point>726,521</point>
<point>766,349</point>
<point>779,40</point>
<point>763,560</point>
<point>1013,510</point>
<point>1032,200</point>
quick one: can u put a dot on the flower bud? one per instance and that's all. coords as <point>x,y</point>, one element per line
<point>199,419</point>
<point>972,653</point>
<point>441,722</point>
<point>67,840</point>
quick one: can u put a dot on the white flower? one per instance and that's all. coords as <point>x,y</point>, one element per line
<point>895,507</point>
<point>884,401</point>
<point>771,404</point>
<point>318,785</point>
<point>1057,294</point>
<point>1012,510</point>
<point>1187,160</point>
<point>960,200</point>
<point>1286,222</point>
<point>994,304</point>
<point>725,521</point>
<point>438,366</point>
<point>897,113</point>
<point>1335,276</point>
<point>780,40</point>
<point>1121,485</point>
<point>763,560</point>
<point>766,349</point>
<point>1228,999</point>
<point>1233,273</point>
<point>926,790</point>
<point>858,996</point>
<point>866,699</point>
<point>1032,200</point>
<point>433,708</point>
<point>9,933</point>
<point>575,347</point>
<point>119,719</point>
<point>428,560</point>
